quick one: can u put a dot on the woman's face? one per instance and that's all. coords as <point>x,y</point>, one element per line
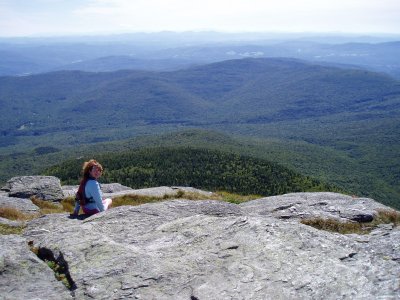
<point>95,172</point>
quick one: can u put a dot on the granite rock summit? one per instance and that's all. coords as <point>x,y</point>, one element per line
<point>206,249</point>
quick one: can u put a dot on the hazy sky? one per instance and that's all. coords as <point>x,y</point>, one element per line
<point>58,17</point>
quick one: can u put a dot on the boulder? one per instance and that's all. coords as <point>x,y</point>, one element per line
<point>23,205</point>
<point>113,187</point>
<point>184,249</point>
<point>42,187</point>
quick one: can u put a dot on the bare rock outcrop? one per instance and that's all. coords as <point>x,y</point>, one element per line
<point>42,187</point>
<point>23,275</point>
<point>106,188</point>
<point>311,205</point>
<point>23,205</point>
<point>184,249</point>
<point>111,190</point>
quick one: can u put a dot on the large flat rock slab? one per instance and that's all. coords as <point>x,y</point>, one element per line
<point>311,205</point>
<point>185,249</point>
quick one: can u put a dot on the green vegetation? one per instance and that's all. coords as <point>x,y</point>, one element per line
<point>338,126</point>
<point>356,174</point>
<point>201,168</point>
<point>59,266</point>
<point>59,273</point>
<point>333,225</point>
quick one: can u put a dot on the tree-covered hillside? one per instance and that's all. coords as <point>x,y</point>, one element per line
<point>248,91</point>
<point>200,168</point>
<point>337,125</point>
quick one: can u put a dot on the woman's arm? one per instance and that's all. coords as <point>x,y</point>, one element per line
<point>77,207</point>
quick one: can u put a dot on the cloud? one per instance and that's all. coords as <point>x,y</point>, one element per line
<point>61,16</point>
<point>233,15</point>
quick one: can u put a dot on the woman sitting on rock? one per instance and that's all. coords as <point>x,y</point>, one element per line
<point>89,195</point>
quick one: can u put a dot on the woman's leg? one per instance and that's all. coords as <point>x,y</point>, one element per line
<point>90,212</point>
<point>106,203</point>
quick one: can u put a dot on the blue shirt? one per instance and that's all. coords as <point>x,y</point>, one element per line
<point>93,193</point>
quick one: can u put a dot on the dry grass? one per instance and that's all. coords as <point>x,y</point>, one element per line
<point>12,213</point>
<point>140,199</point>
<point>68,204</point>
<point>383,216</point>
<point>47,207</point>
<point>334,225</point>
<point>386,216</point>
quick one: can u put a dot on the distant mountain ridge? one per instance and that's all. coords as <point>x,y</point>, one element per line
<point>352,112</point>
<point>160,52</point>
<point>236,91</point>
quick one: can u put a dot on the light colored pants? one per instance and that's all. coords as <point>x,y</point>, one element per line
<point>107,202</point>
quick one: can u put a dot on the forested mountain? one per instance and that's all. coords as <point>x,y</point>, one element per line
<point>237,91</point>
<point>351,116</point>
<point>201,168</point>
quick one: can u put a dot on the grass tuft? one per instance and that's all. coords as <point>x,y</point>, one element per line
<point>383,216</point>
<point>12,213</point>
<point>334,225</point>
<point>7,229</point>
<point>47,207</point>
<point>386,216</point>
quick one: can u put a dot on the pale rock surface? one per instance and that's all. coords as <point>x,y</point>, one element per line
<point>311,205</point>
<point>42,187</point>
<point>23,205</point>
<point>11,223</point>
<point>23,275</point>
<point>111,190</point>
<point>185,249</point>
<point>159,191</point>
<point>70,190</point>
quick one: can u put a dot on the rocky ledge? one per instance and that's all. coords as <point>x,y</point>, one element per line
<point>184,249</point>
